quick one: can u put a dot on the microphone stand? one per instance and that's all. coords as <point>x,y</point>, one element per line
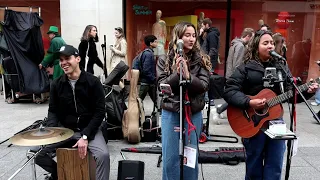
<point>104,52</point>
<point>295,90</point>
<point>182,84</point>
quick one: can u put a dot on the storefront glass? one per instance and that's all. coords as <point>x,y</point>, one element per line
<point>296,20</point>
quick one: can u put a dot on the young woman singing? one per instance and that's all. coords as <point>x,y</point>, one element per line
<point>196,68</point>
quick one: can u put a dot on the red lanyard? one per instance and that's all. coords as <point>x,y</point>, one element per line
<point>188,115</point>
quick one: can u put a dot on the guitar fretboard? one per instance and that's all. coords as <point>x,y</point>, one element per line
<point>287,95</point>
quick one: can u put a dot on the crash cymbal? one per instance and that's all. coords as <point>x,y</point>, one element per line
<point>41,136</point>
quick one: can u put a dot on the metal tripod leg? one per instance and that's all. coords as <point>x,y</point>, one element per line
<point>159,160</point>
<point>33,164</point>
<point>222,138</point>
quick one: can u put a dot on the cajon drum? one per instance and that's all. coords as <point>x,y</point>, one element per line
<point>72,167</point>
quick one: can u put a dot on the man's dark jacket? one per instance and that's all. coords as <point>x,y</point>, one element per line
<point>211,45</point>
<point>148,71</point>
<point>81,110</point>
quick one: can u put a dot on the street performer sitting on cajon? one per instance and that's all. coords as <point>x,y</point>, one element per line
<point>77,102</point>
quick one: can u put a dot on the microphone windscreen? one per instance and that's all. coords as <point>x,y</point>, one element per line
<point>180,41</point>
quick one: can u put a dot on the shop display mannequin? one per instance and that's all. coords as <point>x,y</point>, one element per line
<point>159,30</point>
<point>260,22</point>
<point>200,20</point>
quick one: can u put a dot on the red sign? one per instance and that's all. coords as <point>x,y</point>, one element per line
<point>283,20</point>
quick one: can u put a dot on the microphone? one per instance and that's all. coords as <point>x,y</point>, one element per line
<point>276,55</point>
<point>180,47</point>
<point>280,81</point>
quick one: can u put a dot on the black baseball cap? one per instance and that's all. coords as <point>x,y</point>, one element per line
<point>68,50</point>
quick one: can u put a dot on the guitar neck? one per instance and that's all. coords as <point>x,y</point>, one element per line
<point>287,95</point>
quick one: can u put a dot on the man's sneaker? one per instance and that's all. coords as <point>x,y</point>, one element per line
<point>211,102</point>
<point>314,104</point>
<point>220,114</point>
<point>49,177</point>
<point>214,116</point>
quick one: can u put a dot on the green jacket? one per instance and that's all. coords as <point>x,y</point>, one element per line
<point>52,58</point>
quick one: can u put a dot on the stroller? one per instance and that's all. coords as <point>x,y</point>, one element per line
<point>115,102</point>
<point>22,78</point>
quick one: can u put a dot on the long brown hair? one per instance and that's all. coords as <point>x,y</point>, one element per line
<point>87,30</point>
<point>252,52</point>
<point>177,33</point>
<point>278,43</point>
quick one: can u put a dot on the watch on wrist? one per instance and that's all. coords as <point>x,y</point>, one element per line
<point>84,137</point>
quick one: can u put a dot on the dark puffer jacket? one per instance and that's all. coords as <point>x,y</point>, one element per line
<point>248,80</point>
<point>199,83</point>
<point>211,45</point>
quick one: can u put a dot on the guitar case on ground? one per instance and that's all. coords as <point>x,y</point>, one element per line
<point>131,118</point>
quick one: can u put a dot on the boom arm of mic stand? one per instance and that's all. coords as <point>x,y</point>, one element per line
<point>288,75</point>
<point>289,144</point>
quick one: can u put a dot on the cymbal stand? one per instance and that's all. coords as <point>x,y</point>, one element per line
<point>33,165</point>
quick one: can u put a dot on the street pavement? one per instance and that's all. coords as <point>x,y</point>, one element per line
<point>15,117</point>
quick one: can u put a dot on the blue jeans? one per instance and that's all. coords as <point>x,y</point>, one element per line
<point>317,97</point>
<point>264,157</point>
<point>170,145</point>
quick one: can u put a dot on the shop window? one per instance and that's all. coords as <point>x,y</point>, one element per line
<point>297,21</point>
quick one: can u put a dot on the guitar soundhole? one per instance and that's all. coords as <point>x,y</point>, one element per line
<point>262,112</point>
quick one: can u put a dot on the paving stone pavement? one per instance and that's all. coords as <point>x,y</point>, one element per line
<point>15,117</point>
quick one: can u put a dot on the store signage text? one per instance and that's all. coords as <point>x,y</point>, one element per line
<point>141,10</point>
<point>284,20</point>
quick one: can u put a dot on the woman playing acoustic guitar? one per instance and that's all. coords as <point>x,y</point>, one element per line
<point>264,157</point>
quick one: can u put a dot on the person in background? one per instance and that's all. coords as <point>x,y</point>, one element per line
<point>196,68</point>
<point>260,22</point>
<point>264,156</point>
<point>88,48</point>
<point>279,44</point>
<point>210,46</point>
<point>211,42</point>
<point>235,58</point>
<point>201,34</point>
<point>51,58</point>
<point>237,50</point>
<point>148,70</point>
<point>119,49</point>
<point>316,101</point>
<point>265,27</point>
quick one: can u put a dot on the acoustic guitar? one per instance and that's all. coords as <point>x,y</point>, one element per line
<point>247,123</point>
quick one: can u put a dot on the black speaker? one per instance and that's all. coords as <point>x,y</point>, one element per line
<point>130,170</point>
